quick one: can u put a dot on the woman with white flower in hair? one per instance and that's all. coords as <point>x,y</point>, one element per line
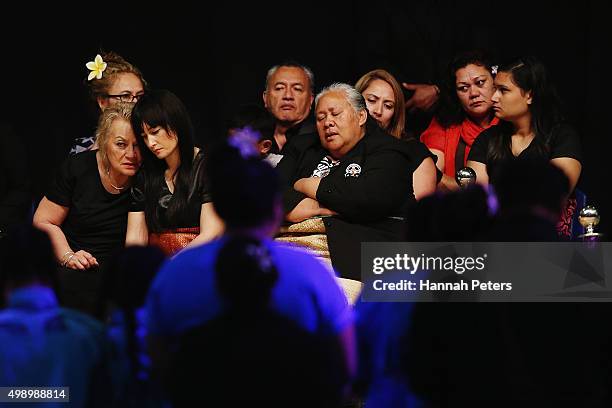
<point>111,79</point>
<point>171,205</point>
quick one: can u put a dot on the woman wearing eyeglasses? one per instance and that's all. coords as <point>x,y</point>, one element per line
<point>171,203</point>
<point>116,81</point>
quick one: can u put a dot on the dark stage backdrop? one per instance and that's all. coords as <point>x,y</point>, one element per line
<point>215,58</point>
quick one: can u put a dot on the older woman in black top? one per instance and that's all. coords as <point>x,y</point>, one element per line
<point>354,171</point>
<point>85,210</point>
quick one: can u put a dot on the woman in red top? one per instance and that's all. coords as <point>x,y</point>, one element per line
<point>464,112</point>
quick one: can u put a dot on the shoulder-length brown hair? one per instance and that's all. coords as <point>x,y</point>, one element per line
<point>396,126</point>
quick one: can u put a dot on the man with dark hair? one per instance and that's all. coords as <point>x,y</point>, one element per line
<point>288,97</point>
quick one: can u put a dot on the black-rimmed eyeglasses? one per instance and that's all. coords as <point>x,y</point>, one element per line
<point>126,97</point>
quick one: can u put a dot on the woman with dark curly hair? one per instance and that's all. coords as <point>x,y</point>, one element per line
<point>465,111</point>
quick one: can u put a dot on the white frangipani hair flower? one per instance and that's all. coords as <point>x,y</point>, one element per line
<point>97,66</point>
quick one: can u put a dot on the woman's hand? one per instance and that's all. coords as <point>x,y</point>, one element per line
<point>81,260</point>
<point>308,208</point>
<point>424,97</point>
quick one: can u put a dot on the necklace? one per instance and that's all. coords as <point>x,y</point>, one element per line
<point>111,182</point>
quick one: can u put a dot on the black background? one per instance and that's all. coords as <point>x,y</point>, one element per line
<point>215,58</point>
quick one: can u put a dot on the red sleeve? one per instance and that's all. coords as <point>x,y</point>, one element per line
<point>434,137</point>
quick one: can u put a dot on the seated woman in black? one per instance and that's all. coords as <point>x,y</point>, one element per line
<point>85,210</point>
<point>171,205</point>
<point>385,102</point>
<point>355,171</point>
<point>531,127</point>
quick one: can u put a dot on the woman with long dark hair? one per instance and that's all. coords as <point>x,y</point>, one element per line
<point>171,203</point>
<point>531,125</point>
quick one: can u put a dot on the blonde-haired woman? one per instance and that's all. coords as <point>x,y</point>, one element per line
<point>85,210</point>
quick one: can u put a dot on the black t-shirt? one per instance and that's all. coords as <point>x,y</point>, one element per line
<point>306,127</point>
<point>97,219</point>
<point>189,218</point>
<point>564,142</point>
